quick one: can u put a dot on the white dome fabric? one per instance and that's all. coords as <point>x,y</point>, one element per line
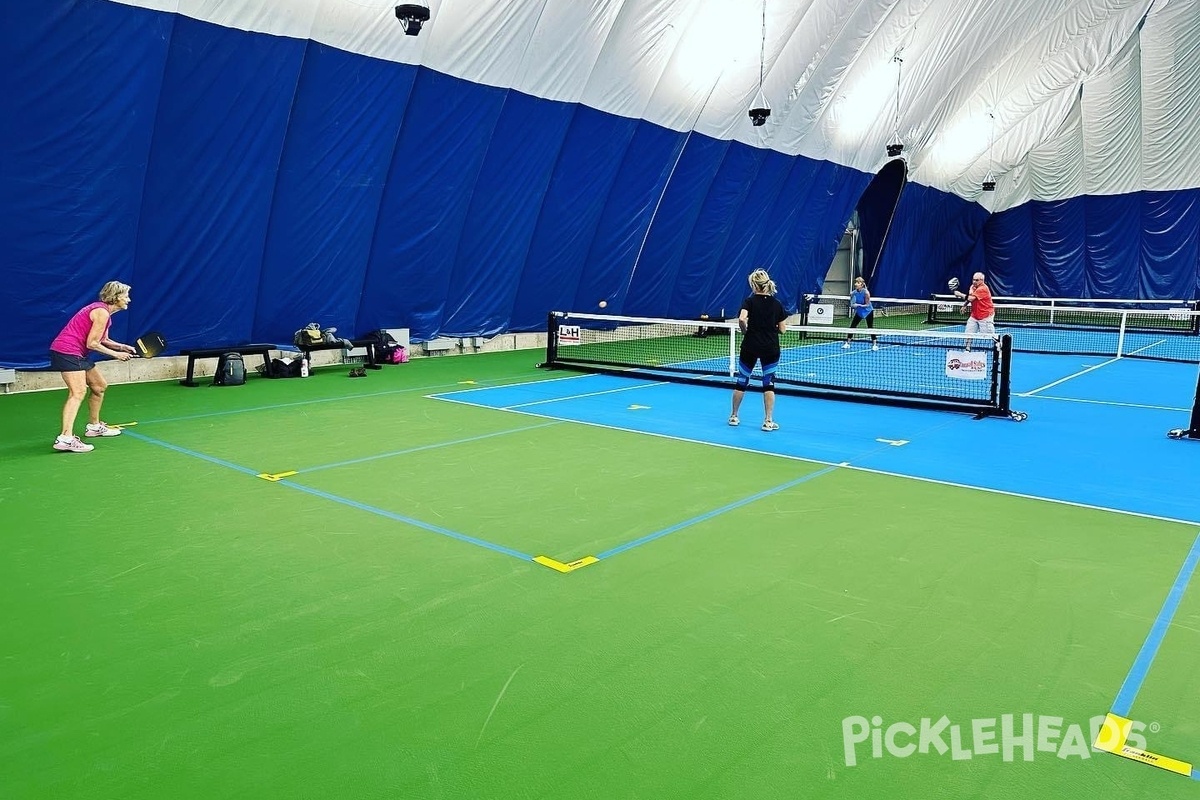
<point>253,166</point>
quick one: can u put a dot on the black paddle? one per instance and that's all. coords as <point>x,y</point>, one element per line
<point>150,344</point>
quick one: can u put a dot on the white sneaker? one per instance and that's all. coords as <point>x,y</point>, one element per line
<point>72,444</point>
<point>100,429</point>
<point>846,346</point>
<point>770,425</point>
<point>874,347</point>
<point>733,420</point>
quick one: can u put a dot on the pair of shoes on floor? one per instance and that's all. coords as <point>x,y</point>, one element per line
<point>770,425</point>
<point>734,421</point>
<point>846,346</point>
<point>358,372</point>
<point>72,444</point>
<point>875,346</point>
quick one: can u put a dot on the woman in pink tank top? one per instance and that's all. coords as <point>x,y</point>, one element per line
<point>87,330</point>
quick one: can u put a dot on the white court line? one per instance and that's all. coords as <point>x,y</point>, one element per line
<point>1147,347</point>
<point>848,465</point>
<point>1089,369</point>
<point>537,402</point>
<point>1112,403</point>
<point>459,387</point>
<point>585,394</point>
<point>1069,377</point>
<point>841,352</point>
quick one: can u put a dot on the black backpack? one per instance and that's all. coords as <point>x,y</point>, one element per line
<point>231,370</point>
<point>278,368</point>
<point>385,345</point>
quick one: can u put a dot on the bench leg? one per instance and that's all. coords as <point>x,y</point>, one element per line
<point>191,369</point>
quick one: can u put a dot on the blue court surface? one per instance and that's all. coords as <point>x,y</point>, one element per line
<point>1095,436</point>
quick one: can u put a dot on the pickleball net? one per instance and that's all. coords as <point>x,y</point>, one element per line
<point>928,369</point>
<point>1162,330</point>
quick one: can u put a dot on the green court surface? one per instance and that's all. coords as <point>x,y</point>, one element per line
<point>372,627</point>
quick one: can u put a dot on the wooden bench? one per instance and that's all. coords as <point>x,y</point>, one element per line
<point>260,349</point>
<point>368,344</point>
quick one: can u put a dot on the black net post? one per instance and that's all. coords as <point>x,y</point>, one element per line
<point>1194,426</point>
<point>551,340</point>
<point>1192,431</point>
<point>1005,399</point>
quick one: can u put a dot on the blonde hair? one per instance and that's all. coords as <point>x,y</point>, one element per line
<point>761,282</point>
<point>112,291</point>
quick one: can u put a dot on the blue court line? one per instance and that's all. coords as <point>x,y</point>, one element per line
<point>232,411</point>
<point>462,537</point>
<point>307,470</point>
<point>184,451</point>
<point>650,537</point>
<point>386,392</point>
<point>1145,657</point>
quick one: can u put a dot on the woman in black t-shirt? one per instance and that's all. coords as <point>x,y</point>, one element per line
<point>762,320</point>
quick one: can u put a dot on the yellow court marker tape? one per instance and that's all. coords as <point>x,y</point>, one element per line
<point>559,566</point>
<point>636,407</point>
<point>276,476</point>
<point>468,383</point>
<point>1155,760</point>
<point>123,425</point>
<point>1111,739</point>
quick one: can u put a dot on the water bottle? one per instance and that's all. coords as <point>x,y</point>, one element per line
<point>304,366</point>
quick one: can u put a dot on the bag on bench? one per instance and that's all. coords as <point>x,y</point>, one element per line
<point>313,334</point>
<point>310,334</point>
<point>231,370</point>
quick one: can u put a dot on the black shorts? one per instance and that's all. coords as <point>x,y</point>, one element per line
<point>748,357</point>
<point>62,362</point>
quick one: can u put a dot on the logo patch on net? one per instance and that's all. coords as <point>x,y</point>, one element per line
<point>568,334</point>
<point>966,365</point>
<point>821,314</point>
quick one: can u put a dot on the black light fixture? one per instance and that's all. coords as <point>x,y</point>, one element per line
<point>411,16</point>
<point>761,108</point>
<point>760,112</point>
<point>896,146</point>
<point>989,180</point>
